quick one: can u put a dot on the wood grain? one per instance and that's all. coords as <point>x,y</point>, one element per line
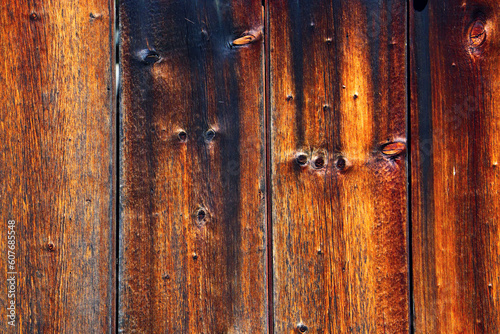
<point>192,229</point>
<point>57,171</point>
<point>338,96</point>
<point>455,123</point>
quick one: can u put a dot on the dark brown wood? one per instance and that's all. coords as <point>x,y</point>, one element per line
<point>338,97</point>
<point>192,229</point>
<point>455,177</point>
<point>57,171</point>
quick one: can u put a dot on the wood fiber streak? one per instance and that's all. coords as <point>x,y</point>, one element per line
<point>455,118</point>
<point>192,231</point>
<point>57,140</point>
<point>338,95</point>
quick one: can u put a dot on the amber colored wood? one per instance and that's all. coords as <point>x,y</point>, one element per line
<point>455,131</point>
<point>338,98</point>
<point>57,171</point>
<point>192,230</point>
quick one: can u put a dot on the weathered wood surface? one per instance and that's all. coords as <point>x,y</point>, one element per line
<point>57,171</point>
<point>192,233</point>
<point>455,117</point>
<point>338,95</point>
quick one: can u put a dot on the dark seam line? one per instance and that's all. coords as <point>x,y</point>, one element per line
<point>408,169</point>
<point>116,45</point>
<point>268,168</point>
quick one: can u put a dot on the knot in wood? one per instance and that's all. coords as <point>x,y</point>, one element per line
<point>393,149</point>
<point>477,33</point>
<point>247,38</point>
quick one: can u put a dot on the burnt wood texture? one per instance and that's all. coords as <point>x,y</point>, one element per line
<point>455,181</point>
<point>338,127</point>
<point>192,231</point>
<point>57,171</point>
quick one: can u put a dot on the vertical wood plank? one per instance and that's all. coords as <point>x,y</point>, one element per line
<point>338,109</point>
<point>192,229</point>
<point>57,146</point>
<point>455,125</point>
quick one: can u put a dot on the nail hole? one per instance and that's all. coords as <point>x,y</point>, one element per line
<point>319,162</point>
<point>94,16</point>
<point>201,214</point>
<point>341,163</point>
<point>289,98</point>
<point>51,247</point>
<point>210,135</point>
<point>195,256</point>
<point>394,149</point>
<point>182,136</point>
<point>419,5</point>
<point>302,328</point>
<point>33,16</point>
<point>302,159</point>
<point>149,56</point>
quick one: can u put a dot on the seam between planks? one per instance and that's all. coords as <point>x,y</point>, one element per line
<point>268,167</point>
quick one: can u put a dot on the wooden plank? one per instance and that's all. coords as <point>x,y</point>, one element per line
<point>192,225</point>
<point>57,144</point>
<point>338,95</point>
<point>455,177</point>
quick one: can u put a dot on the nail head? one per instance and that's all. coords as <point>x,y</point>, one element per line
<point>319,162</point>
<point>341,163</point>
<point>210,135</point>
<point>182,136</point>
<point>302,159</point>
<point>302,328</point>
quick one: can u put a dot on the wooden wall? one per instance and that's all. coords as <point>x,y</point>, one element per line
<point>273,166</point>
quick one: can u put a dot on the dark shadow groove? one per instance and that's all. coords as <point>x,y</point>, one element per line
<point>115,63</point>
<point>409,171</point>
<point>267,127</point>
